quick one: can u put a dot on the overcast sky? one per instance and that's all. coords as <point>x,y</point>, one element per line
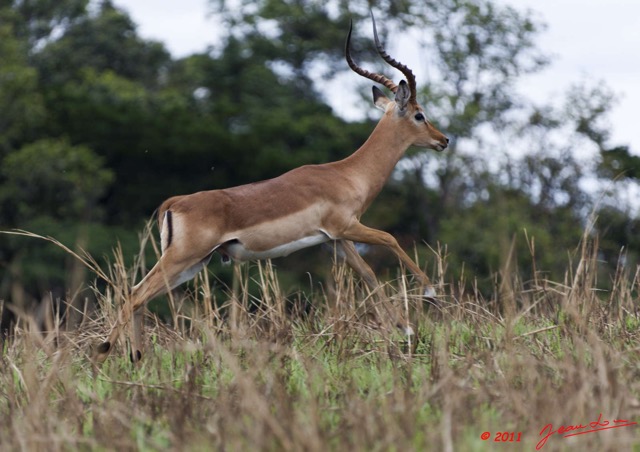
<point>593,40</point>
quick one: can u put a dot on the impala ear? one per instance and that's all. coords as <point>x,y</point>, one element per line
<point>379,99</point>
<point>402,96</point>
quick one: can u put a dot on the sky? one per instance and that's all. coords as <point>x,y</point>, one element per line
<point>593,41</point>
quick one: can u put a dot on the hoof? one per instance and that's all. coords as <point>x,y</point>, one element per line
<point>102,352</point>
<point>135,356</point>
<point>104,348</point>
<point>406,329</point>
<point>430,293</point>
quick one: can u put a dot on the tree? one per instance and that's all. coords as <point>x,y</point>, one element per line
<point>20,101</point>
<point>51,178</point>
<point>36,22</point>
<point>105,41</point>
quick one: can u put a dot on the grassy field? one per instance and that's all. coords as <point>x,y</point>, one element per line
<point>276,378</point>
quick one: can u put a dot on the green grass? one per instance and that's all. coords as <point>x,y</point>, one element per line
<point>538,353</point>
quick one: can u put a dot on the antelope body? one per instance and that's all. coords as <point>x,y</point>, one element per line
<point>304,207</point>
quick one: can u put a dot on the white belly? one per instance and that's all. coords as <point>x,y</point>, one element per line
<point>238,252</point>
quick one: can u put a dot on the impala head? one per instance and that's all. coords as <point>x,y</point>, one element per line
<point>404,108</point>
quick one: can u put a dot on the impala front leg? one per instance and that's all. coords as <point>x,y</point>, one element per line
<point>358,232</point>
<point>104,349</point>
<point>137,335</point>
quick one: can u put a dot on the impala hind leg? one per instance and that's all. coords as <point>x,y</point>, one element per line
<point>155,283</point>
<point>164,276</point>
<point>359,265</point>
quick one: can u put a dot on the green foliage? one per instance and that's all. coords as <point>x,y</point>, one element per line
<point>21,103</point>
<point>42,268</point>
<point>619,163</point>
<point>35,21</point>
<point>52,178</point>
<point>105,41</point>
<point>619,238</point>
<point>507,229</point>
<point>481,49</point>
<point>587,106</point>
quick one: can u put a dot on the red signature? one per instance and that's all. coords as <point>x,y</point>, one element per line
<point>572,430</point>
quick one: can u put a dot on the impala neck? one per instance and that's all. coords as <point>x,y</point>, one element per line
<point>374,161</point>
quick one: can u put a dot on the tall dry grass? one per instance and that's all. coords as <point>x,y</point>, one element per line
<point>257,372</point>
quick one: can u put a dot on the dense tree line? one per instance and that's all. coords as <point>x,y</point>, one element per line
<point>98,126</point>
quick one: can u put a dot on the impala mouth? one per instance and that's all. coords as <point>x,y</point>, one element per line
<point>439,147</point>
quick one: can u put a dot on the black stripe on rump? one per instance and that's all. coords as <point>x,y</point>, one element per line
<point>169,221</point>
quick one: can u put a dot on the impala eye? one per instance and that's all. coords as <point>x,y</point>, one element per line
<point>419,117</point>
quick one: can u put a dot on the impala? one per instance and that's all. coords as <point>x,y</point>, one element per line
<point>307,206</point>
